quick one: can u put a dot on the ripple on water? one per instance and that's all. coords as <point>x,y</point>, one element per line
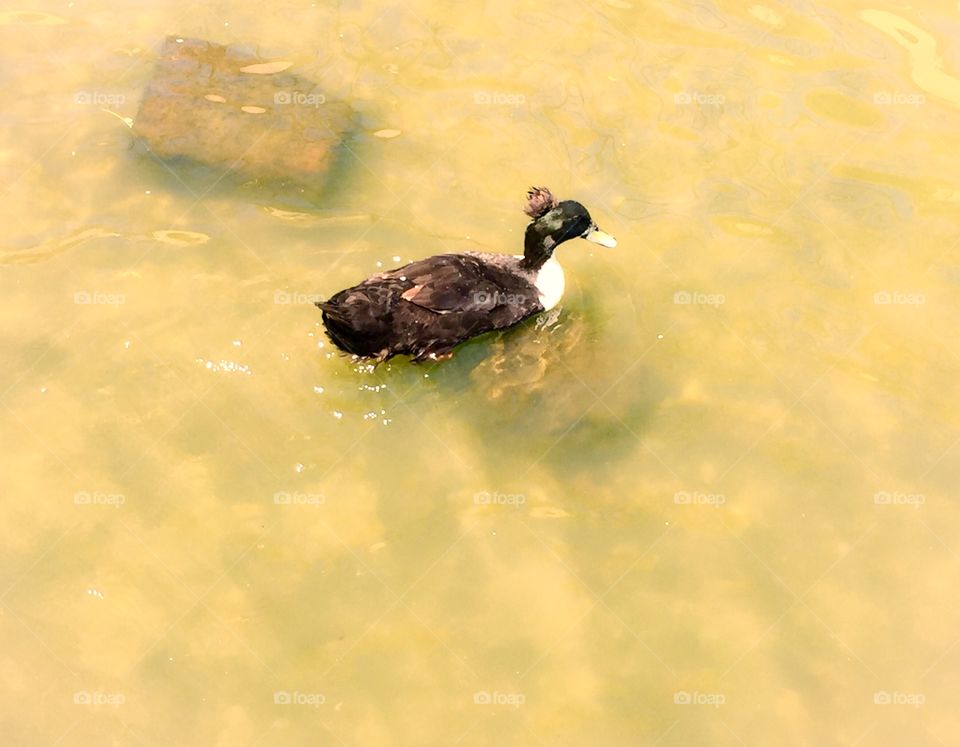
<point>180,238</point>
<point>921,46</point>
<point>30,18</point>
<point>844,109</point>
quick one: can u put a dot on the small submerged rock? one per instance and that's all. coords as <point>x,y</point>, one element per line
<point>228,109</point>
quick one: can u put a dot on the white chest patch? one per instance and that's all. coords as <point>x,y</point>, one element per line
<point>550,283</point>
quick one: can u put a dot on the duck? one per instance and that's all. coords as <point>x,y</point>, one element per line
<point>426,308</point>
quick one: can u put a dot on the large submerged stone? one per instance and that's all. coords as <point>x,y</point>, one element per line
<point>228,109</point>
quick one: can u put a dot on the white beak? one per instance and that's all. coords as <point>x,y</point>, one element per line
<point>600,237</point>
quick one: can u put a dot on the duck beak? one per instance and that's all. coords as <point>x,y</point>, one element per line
<point>600,237</point>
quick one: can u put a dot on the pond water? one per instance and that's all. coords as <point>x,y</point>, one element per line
<point>711,501</point>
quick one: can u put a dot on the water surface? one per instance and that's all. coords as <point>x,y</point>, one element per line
<point>712,501</point>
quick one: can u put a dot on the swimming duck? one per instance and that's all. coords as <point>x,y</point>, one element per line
<point>426,308</point>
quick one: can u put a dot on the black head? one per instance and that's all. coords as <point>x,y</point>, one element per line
<point>555,222</point>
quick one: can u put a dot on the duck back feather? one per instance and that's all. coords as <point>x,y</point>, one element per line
<point>426,308</point>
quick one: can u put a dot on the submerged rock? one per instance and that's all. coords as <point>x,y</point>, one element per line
<point>228,109</point>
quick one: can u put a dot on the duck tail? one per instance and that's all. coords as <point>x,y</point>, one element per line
<point>333,310</point>
<point>341,331</point>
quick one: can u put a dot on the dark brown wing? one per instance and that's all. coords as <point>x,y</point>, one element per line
<point>449,283</point>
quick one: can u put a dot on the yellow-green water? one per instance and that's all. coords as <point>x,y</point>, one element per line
<point>649,523</point>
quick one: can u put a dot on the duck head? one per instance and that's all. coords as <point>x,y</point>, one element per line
<point>554,222</point>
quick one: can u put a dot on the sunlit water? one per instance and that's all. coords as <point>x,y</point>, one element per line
<point>712,502</point>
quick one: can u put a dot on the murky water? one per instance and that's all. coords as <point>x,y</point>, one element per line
<point>713,501</point>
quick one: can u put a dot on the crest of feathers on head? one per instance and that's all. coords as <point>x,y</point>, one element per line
<point>540,201</point>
